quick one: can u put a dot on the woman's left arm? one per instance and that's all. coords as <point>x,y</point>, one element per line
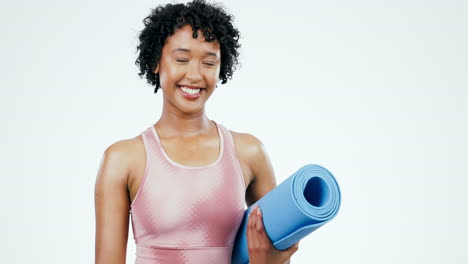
<point>260,247</point>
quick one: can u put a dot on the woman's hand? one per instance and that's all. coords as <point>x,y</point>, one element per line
<point>261,249</point>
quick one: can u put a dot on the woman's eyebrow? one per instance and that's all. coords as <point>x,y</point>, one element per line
<point>211,54</point>
<point>180,49</point>
<point>187,50</point>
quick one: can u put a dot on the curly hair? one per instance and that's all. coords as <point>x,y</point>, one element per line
<point>163,21</point>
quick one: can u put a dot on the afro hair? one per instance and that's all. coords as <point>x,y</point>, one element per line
<point>163,21</point>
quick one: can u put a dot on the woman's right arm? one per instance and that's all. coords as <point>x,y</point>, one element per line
<point>112,204</point>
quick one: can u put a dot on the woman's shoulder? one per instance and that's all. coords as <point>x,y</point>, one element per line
<point>125,154</point>
<point>124,148</point>
<point>248,146</point>
<point>245,139</point>
<point>252,152</point>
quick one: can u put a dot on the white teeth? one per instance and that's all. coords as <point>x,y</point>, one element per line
<point>189,90</point>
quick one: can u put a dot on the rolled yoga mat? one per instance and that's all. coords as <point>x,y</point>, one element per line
<point>298,206</point>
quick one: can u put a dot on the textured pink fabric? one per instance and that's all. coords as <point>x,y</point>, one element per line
<point>184,214</point>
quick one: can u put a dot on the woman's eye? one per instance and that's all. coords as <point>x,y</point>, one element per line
<point>182,60</point>
<point>210,63</point>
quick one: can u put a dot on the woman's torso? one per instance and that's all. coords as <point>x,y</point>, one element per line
<point>201,223</point>
<point>177,151</point>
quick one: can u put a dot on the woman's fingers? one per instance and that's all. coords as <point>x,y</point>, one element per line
<point>258,220</point>
<point>256,227</point>
<point>252,238</point>
<point>261,249</point>
<point>262,235</point>
<point>249,235</point>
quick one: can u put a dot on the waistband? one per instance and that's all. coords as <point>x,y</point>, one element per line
<point>149,254</point>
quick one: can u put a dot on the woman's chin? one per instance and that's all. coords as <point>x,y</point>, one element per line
<point>190,108</point>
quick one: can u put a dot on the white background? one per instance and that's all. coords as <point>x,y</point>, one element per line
<point>375,91</point>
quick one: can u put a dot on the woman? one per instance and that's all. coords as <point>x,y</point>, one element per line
<point>184,179</point>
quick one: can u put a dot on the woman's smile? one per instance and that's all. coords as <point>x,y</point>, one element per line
<point>190,92</point>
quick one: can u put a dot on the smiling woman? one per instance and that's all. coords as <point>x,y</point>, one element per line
<point>208,20</point>
<point>188,69</point>
<point>184,180</point>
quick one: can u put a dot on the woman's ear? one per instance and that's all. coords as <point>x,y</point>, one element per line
<point>157,69</point>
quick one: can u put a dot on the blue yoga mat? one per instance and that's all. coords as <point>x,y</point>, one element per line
<point>298,206</point>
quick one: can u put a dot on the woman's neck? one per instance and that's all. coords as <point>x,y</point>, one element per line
<point>176,124</point>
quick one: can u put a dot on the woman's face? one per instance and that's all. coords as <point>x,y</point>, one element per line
<point>188,70</point>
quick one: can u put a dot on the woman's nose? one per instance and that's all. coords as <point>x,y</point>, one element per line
<point>193,72</point>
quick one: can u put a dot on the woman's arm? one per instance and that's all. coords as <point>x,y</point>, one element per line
<point>263,176</point>
<point>112,206</point>
<point>261,249</point>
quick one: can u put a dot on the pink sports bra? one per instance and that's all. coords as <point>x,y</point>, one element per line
<point>184,214</point>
